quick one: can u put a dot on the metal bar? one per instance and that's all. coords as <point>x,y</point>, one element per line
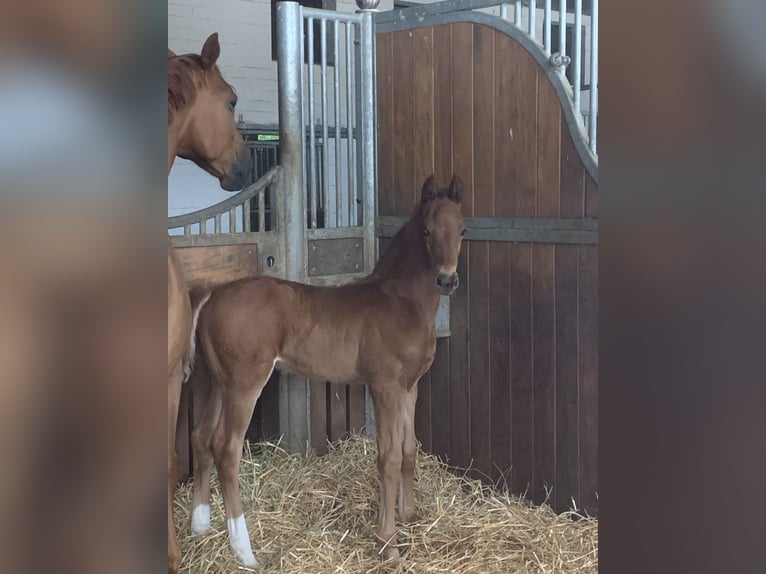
<point>503,11</point>
<point>358,167</point>
<point>517,13</point>
<point>336,16</point>
<point>336,99</point>
<point>187,229</point>
<point>217,225</point>
<point>203,226</point>
<point>593,111</point>
<point>415,12</point>
<point>233,220</point>
<point>246,216</point>
<point>325,147</point>
<point>262,211</point>
<point>349,125</point>
<point>229,203</point>
<point>562,33</point>
<point>225,239</point>
<point>368,135</point>
<point>533,18</point>
<point>304,102</point>
<point>312,134</point>
<point>577,59</point>
<point>335,233</point>
<point>294,396</point>
<point>547,28</point>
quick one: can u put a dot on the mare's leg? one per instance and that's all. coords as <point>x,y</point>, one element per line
<point>175,380</point>
<point>388,402</point>
<point>239,397</point>
<point>409,452</point>
<point>207,400</point>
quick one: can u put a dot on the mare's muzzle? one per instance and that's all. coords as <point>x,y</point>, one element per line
<point>240,175</point>
<point>447,283</point>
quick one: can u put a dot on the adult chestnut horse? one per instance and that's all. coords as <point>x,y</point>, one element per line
<point>379,331</point>
<point>200,128</point>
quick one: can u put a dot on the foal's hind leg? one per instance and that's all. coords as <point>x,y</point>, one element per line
<point>388,401</point>
<point>239,398</point>
<point>206,395</point>
<point>409,452</point>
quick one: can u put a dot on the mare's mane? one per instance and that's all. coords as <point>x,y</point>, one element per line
<point>182,71</point>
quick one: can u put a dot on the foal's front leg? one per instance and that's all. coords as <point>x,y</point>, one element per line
<point>388,404</point>
<point>407,512</point>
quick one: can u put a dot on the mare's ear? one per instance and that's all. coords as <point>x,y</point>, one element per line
<point>455,192</point>
<point>210,51</point>
<point>171,54</point>
<point>429,190</point>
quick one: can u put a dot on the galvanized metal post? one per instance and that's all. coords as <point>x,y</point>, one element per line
<point>293,396</point>
<point>369,148</point>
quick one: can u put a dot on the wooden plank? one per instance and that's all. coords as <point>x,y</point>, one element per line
<point>500,359</point>
<point>385,120</point>
<point>440,401</point>
<point>461,59</point>
<point>423,412</point>
<point>483,120</point>
<point>572,177</point>
<point>591,198</point>
<point>442,145</point>
<point>459,366</point>
<point>404,131</point>
<point>218,264</point>
<point>423,142</point>
<point>548,148</point>
<point>355,396</point>
<point>336,411</point>
<point>522,446</point>
<point>544,368</point>
<point>522,101</point>
<point>479,342</point>
<point>462,109</point>
<point>588,375</point>
<point>567,372</point>
<point>503,124</point>
<point>318,410</point>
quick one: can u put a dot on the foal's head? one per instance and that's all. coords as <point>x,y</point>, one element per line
<point>210,138</point>
<point>443,230</point>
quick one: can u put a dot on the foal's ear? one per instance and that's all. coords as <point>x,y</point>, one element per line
<point>171,54</point>
<point>210,51</point>
<point>429,190</point>
<point>455,192</point>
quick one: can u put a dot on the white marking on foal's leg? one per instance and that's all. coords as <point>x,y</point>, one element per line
<point>240,541</point>
<point>200,522</point>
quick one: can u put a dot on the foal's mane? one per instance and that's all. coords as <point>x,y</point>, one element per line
<point>182,90</point>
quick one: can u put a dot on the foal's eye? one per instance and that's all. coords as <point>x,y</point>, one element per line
<point>426,232</point>
<point>233,104</point>
<point>462,233</point>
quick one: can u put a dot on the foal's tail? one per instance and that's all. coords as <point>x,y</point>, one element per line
<point>199,296</point>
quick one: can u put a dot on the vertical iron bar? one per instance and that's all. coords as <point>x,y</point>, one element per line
<point>336,98</point>
<point>233,220</point>
<point>349,125</point>
<point>547,28</point>
<point>577,59</point>
<point>325,148</point>
<point>312,133</point>
<point>517,13</point>
<point>246,216</point>
<point>593,111</point>
<point>563,33</point>
<point>533,18</point>
<point>503,11</point>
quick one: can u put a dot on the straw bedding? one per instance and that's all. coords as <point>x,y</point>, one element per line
<point>309,514</point>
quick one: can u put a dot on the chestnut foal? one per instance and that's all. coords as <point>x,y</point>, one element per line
<point>379,331</point>
<point>201,128</point>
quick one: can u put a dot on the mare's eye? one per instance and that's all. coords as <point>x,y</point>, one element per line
<point>233,104</point>
<point>426,232</point>
<point>462,233</point>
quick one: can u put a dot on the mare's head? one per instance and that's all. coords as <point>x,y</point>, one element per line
<point>200,97</point>
<point>443,228</point>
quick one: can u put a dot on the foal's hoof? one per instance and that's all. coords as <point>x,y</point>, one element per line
<point>390,554</point>
<point>409,516</point>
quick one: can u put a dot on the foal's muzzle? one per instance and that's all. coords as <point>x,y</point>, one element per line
<point>447,283</point>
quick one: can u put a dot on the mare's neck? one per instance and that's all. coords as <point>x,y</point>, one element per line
<point>176,130</point>
<point>406,268</point>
